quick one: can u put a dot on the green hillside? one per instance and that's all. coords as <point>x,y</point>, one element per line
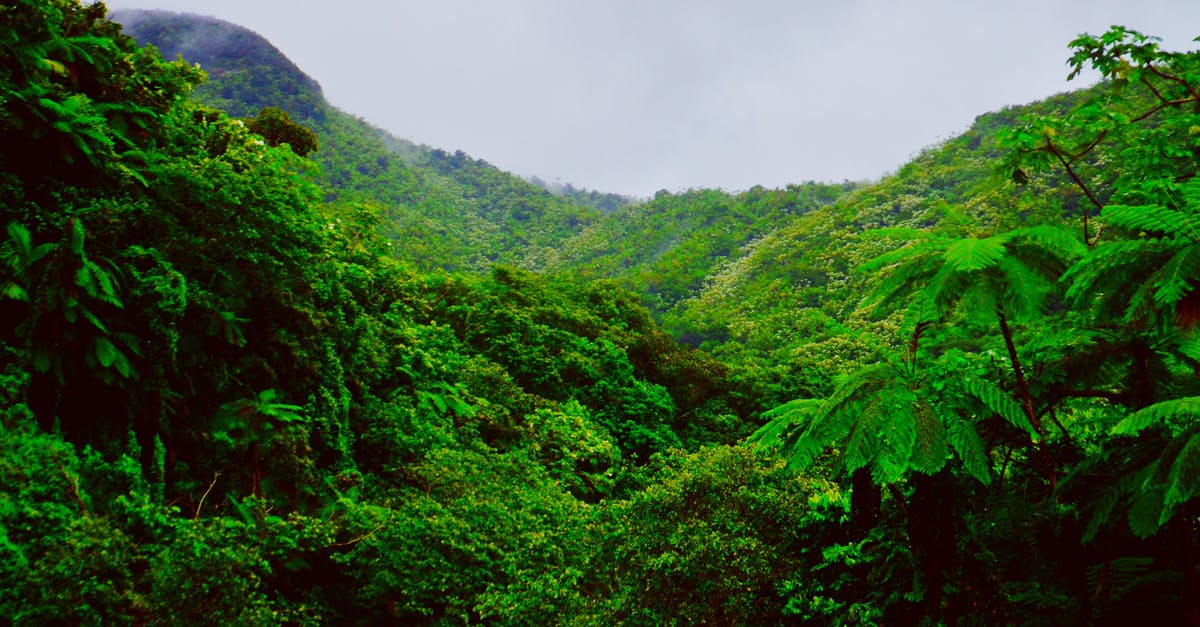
<point>238,384</point>
<point>451,211</point>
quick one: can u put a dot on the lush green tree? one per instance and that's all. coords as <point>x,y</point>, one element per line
<point>277,127</point>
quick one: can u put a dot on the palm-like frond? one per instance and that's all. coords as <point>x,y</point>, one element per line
<point>1104,262</point>
<point>1176,277</point>
<point>1167,413</point>
<point>969,447</point>
<point>1016,269</point>
<point>1183,478</point>
<point>1170,478</point>
<point>1156,221</point>
<point>1152,273</point>
<point>999,401</point>
<point>970,254</point>
<point>1021,289</point>
<point>930,444</point>
<point>1061,243</point>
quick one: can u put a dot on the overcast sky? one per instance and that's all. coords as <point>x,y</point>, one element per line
<point>633,96</point>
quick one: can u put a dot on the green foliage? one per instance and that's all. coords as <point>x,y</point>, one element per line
<point>277,128</point>
<point>1153,272</point>
<point>226,396</point>
<point>706,543</point>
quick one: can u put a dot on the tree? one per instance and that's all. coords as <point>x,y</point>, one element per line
<point>1007,277</point>
<point>277,127</point>
<point>898,421</point>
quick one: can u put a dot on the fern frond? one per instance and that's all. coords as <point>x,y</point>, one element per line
<point>1153,219</point>
<point>1105,261</point>
<point>907,252</point>
<point>971,254</point>
<point>1191,195</point>
<point>967,444</point>
<point>946,286</point>
<point>794,414</point>
<point>862,441</point>
<point>1166,413</point>
<point>1175,278</point>
<point>792,408</point>
<point>1118,576</point>
<point>896,437</point>
<point>1023,290</point>
<point>997,400</point>
<point>1059,242</point>
<point>865,379</point>
<point>1145,512</point>
<point>1105,505</point>
<point>1183,481</point>
<point>1189,346</point>
<point>901,279</point>
<point>930,448</point>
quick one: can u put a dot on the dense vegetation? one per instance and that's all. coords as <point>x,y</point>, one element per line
<point>258,366</point>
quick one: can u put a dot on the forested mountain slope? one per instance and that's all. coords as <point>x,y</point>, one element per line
<point>787,303</point>
<point>450,210</point>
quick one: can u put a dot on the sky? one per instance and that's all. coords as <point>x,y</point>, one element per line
<point>636,96</point>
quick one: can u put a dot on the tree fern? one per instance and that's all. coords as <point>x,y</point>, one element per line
<point>931,446</point>
<point>969,448</point>
<point>1102,263</point>
<point>999,401</point>
<point>1156,221</point>
<point>970,254</point>
<point>884,418</point>
<point>1176,277</point>
<point>1167,413</point>
<point>1119,576</point>
<point>1183,478</point>
<point>1172,476</point>
<point>1153,271</point>
<point>893,460</point>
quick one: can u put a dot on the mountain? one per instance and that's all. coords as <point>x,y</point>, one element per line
<point>246,72</point>
<point>450,210</point>
<point>760,278</point>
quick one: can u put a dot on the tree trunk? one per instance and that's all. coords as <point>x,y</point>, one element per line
<point>865,500</point>
<point>933,538</point>
<point>1026,400</point>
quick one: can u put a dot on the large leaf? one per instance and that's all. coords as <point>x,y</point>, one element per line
<point>930,447</point>
<point>1166,413</point>
<point>1175,278</point>
<point>1184,478</point>
<point>1000,402</point>
<point>1157,220</point>
<point>895,439</point>
<point>967,444</point>
<point>1056,240</point>
<point>970,254</point>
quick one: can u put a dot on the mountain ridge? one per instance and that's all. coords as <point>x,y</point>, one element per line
<point>455,211</point>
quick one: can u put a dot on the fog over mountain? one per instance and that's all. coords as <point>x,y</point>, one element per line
<point>633,97</point>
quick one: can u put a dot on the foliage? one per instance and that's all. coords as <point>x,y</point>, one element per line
<point>239,384</point>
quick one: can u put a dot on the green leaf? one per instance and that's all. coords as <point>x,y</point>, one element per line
<point>930,447</point>
<point>1000,402</point>
<point>1062,243</point>
<point>967,444</point>
<point>1184,478</point>
<point>1154,219</point>
<point>970,254</point>
<point>1176,277</point>
<point>15,292</point>
<point>1164,413</point>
